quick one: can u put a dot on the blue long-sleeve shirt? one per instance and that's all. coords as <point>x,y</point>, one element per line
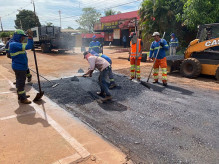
<point>101,55</point>
<point>95,45</point>
<point>174,42</point>
<point>18,53</point>
<point>154,48</point>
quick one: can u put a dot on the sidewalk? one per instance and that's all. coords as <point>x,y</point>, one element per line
<point>45,133</point>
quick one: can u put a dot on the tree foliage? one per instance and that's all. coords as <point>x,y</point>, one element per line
<point>26,19</point>
<point>49,24</point>
<point>6,34</point>
<point>89,17</point>
<point>110,12</point>
<point>197,12</point>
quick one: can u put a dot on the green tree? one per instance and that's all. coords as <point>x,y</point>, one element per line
<point>110,12</point>
<point>162,15</point>
<point>25,20</point>
<point>197,12</point>
<point>89,17</point>
<point>70,28</point>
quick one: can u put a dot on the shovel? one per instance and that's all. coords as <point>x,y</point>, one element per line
<point>41,93</point>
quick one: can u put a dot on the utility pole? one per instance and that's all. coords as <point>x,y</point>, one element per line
<point>60,19</point>
<point>34,10</point>
<point>1,23</point>
<point>21,24</point>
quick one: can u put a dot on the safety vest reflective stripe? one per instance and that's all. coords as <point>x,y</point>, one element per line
<point>21,92</point>
<point>94,46</point>
<point>100,55</point>
<point>24,46</point>
<point>17,53</point>
<point>173,42</point>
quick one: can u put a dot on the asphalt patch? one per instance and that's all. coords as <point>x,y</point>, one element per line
<point>174,124</point>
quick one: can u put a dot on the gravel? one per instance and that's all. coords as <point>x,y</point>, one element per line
<point>177,124</point>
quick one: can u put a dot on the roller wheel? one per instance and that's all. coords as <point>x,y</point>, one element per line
<point>217,74</point>
<point>190,68</point>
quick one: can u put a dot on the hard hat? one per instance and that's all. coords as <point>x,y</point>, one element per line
<point>156,34</point>
<point>20,32</point>
<point>132,34</point>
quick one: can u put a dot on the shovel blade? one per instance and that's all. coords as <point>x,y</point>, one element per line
<point>145,84</point>
<point>38,96</point>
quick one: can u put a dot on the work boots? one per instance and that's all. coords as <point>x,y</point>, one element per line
<point>112,85</point>
<point>107,98</point>
<point>101,94</point>
<point>25,101</point>
<point>29,78</point>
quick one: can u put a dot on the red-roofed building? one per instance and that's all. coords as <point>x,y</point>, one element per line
<point>117,26</point>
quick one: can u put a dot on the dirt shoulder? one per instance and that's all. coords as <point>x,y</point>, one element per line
<point>56,65</point>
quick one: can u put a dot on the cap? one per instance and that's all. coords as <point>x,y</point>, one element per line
<point>85,53</point>
<point>94,36</point>
<point>156,34</point>
<point>20,32</point>
<point>172,35</point>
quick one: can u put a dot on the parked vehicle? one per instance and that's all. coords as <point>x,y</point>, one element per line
<point>2,48</point>
<point>51,37</point>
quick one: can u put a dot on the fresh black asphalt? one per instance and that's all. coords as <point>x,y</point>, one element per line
<point>177,124</point>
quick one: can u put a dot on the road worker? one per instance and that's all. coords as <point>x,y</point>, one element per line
<point>28,75</point>
<point>161,60</point>
<point>103,66</point>
<point>112,80</point>
<point>173,44</point>
<point>95,45</point>
<point>20,61</point>
<point>135,59</point>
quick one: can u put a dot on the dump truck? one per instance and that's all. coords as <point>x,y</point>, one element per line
<point>201,56</point>
<point>51,38</point>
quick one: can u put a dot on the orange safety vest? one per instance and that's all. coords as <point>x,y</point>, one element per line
<point>133,49</point>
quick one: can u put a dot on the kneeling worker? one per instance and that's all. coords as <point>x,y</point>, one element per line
<point>103,66</point>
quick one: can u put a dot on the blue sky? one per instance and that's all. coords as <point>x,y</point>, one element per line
<point>47,10</point>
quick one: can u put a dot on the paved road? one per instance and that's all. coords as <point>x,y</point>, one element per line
<point>162,125</point>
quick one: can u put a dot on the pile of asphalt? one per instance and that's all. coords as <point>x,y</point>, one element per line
<point>162,125</point>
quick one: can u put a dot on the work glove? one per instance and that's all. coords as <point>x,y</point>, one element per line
<point>161,44</point>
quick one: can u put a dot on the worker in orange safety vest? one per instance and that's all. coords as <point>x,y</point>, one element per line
<point>135,58</point>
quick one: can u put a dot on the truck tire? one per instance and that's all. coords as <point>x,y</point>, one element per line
<point>217,74</point>
<point>45,48</point>
<point>190,68</point>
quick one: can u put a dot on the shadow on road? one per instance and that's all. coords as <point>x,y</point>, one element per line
<point>30,119</point>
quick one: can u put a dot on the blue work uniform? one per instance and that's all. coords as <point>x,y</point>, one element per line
<point>95,46</point>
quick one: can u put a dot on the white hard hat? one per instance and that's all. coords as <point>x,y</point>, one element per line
<point>156,33</point>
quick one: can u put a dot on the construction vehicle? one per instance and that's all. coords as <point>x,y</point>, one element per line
<point>201,56</point>
<point>51,37</point>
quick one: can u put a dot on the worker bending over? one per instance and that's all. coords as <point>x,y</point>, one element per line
<point>161,60</point>
<point>135,56</point>
<point>20,61</point>
<point>95,45</point>
<point>112,80</point>
<point>103,66</point>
